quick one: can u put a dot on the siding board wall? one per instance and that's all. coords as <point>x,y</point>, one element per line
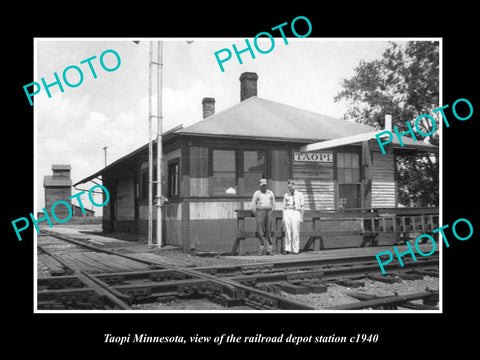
<point>313,170</point>
<point>367,174</point>
<point>214,210</point>
<point>318,195</point>
<point>213,225</point>
<point>315,180</point>
<point>383,191</point>
<point>54,194</point>
<point>125,199</point>
<point>172,223</point>
<point>279,172</point>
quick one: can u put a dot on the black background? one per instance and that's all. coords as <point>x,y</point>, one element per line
<point>399,334</point>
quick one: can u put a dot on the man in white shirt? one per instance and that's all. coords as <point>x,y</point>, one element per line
<point>263,204</point>
<point>293,208</point>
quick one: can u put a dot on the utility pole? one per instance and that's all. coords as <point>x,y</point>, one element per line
<point>105,150</point>
<point>159,198</point>
<point>150,149</point>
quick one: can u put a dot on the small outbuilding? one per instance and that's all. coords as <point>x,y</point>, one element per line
<point>58,187</point>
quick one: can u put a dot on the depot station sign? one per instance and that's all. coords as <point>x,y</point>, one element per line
<point>299,156</point>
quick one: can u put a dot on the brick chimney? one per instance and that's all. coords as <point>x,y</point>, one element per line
<point>248,85</point>
<point>208,107</point>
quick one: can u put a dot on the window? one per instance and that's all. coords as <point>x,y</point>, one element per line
<point>348,168</point>
<point>144,184</point>
<point>253,169</point>
<point>144,181</point>
<point>173,183</point>
<point>224,175</point>
<point>348,196</point>
<point>348,178</point>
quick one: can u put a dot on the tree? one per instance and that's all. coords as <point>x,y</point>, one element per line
<point>405,84</point>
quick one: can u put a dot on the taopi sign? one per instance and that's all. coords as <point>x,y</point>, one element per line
<point>312,157</point>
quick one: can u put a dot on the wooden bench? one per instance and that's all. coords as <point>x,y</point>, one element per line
<point>368,223</point>
<point>316,218</point>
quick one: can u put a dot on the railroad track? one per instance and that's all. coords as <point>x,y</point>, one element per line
<point>257,286</point>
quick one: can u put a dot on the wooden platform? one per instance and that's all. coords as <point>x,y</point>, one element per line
<point>100,262</point>
<point>84,259</point>
<point>334,253</point>
<point>80,259</point>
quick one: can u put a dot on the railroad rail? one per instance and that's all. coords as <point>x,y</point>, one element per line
<point>258,286</point>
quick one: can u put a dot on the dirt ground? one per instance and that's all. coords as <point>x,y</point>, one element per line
<point>187,304</point>
<point>337,295</point>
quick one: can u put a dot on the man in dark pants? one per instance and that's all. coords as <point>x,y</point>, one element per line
<point>263,204</point>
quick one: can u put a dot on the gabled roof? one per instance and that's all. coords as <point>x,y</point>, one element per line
<point>258,118</point>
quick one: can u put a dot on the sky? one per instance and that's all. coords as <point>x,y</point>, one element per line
<point>73,127</point>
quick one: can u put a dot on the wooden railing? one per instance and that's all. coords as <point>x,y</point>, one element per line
<point>368,223</point>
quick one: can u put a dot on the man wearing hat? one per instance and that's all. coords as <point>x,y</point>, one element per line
<point>263,204</point>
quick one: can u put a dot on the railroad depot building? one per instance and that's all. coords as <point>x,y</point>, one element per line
<point>213,167</point>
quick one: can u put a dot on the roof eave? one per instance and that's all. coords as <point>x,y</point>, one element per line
<point>251,137</point>
<point>165,137</point>
<point>417,147</point>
